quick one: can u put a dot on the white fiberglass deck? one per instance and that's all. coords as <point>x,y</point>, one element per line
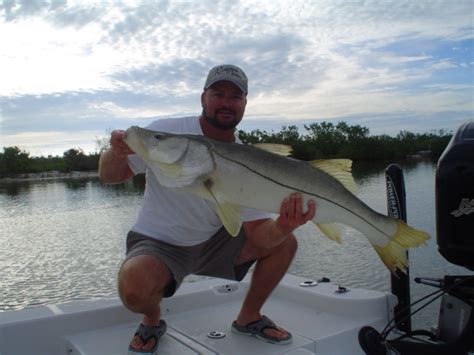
<point>321,321</point>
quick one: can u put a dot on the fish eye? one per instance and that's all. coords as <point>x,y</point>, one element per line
<point>159,136</point>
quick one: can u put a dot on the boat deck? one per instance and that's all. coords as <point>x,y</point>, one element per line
<point>321,321</point>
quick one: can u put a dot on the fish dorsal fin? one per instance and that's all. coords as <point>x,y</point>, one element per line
<point>229,214</point>
<point>340,169</point>
<point>330,230</point>
<point>280,149</point>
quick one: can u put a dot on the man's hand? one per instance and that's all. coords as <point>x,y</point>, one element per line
<point>119,147</point>
<point>291,213</point>
<point>268,233</point>
<point>113,163</point>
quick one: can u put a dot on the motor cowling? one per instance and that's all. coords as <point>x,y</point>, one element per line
<point>455,198</point>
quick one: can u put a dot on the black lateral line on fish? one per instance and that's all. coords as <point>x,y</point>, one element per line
<point>292,188</point>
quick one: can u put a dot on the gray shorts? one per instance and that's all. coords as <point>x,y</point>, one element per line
<point>216,257</point>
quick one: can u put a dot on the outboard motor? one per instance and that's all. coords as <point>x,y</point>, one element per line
<point>455,198</point>
<point>455,238</point>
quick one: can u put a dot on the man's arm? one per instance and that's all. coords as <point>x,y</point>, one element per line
<point>113,163</point>
<point>268,233</point>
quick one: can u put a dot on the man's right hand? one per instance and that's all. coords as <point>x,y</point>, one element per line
<point>118,145</point>
<point>113,163</point>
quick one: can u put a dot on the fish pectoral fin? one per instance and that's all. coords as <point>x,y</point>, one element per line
<point>280,149</point>
<point>330,230</point>
<point>340,169</point>
<point>170,170</point>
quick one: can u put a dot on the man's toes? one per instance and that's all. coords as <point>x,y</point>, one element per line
<point>276,333</point>
<point>149,345</point>
<point>137,343</point>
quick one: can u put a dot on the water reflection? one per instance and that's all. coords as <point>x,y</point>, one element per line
<point>76,184</point>
<point>25,187</point>
<point>365,169</point>
<point>14,188</point>
<point>362,170</point>
<point>139,181</point>
<point>132,187</point>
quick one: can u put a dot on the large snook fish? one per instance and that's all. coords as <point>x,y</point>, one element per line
<point>234,175</point>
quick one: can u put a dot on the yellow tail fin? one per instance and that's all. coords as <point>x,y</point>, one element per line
<point>393,254</point>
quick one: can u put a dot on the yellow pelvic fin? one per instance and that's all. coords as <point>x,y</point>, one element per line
<point>230,217</point>
<point>393,255</point>
<point>340,169</point>
<point>280,149</point>
<point>330,230</point>
<point>229,214</point>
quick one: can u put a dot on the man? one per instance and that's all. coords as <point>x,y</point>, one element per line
<point>173,228</point>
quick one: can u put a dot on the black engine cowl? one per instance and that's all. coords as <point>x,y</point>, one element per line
<point>455,198</point>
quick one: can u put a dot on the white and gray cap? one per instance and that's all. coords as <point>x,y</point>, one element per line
<point>230,73</point>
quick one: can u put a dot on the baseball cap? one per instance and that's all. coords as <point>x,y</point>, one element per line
<point>227,72</point>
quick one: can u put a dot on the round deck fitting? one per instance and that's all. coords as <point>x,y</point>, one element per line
<point>216,334</point>
<point>308,283</point>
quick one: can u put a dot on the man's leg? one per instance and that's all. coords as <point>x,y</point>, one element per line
<point>271,266</point>
<point>141,282</point>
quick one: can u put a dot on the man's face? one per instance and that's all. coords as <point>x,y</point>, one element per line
<point>223,105</point>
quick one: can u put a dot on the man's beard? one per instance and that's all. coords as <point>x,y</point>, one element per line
<point>213,121</point>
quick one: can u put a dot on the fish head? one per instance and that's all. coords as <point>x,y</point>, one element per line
<point>159,147</point>
<point>176,160</point>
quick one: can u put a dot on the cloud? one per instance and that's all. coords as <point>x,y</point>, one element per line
<point>99,42</point>
<point>62,13</point>
<point>444,64</point>
<point>89,66</point>
<point>53,142</point>
<point>72,111</point>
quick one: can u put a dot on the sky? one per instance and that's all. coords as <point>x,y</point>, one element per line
<point>72,71</point>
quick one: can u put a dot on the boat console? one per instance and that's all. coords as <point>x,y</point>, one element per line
<point>455,239</point>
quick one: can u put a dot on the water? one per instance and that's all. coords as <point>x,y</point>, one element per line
<point>64,240</point>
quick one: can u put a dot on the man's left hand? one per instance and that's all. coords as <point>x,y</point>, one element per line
<point>291,213</point>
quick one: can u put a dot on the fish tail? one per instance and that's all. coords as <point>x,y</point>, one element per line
<point>393,254</point>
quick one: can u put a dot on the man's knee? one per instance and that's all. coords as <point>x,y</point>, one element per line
<point>287,249</point>
<point>142,278</point>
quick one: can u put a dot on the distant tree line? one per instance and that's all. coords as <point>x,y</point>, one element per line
<point>14,161</point>
<point>321,140</point>
<point>327,140</point>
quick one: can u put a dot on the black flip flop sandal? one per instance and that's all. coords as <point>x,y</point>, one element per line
<point>257,328</point>
<point>147,333</point>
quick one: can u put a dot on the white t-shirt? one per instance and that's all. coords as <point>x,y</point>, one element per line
<point>172,216</point>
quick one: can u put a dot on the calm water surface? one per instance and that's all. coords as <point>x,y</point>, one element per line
<point>64,240</point>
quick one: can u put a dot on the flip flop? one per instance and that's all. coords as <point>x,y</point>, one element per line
<point>257,328</point>
<point>147,333</point>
